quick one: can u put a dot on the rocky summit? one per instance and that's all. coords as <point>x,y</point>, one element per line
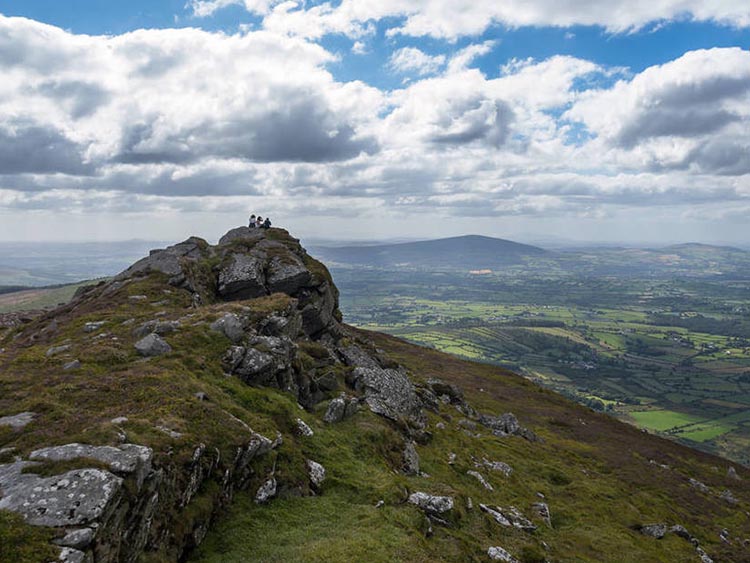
<point>209,404</point>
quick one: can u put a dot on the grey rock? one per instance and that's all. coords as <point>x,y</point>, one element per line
<point>242,233</point>
<point>335,411</point>
<point>266,491</point>
<point>657,531</point>
<point>289,325</point>
<point>169,432</point>
<point>242,278</point>
<point>703,555</point>
<point>138,297</point>
<point>267,360</point>
<point>201,396</point>
<point>167,261</point>
<point>410,459</point>
<point>440,388</point>
<point>316,472</point>
<point>499,554</point>
<point>698,485</point>
<point>72,499</point>
<point>303,429</point>
<point>75,364</point>
<point>451,458</point>
<point>18,421</point>
<point>380,504</point>
<point>541,509</point>
<point>68,555</point>
<point>357,357</point>
<point>389,393</point>
<point>127,458</point>
<point>509,517</point>
<point>726,495</point>
<point>732,474</point>
<point>162,328</point>
<point>506,425</point>
<point>681,531</point>
<point>230,326</point>
<point>152,345</point>
<point>286,274</point>
<point>79,538</point>
<point>479,477</point>
<point>431,504</point>
<point>497,466</point>
<point>57,350</point>
<point>93,326</point>
<point>119,420</point>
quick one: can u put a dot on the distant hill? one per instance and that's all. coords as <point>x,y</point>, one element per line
<point>471,252</point>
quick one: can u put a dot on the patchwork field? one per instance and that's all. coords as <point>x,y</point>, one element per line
<point>671,356</point>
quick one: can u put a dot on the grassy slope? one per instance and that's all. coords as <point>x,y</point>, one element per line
<point>595,473</point>
<point>33,299</point>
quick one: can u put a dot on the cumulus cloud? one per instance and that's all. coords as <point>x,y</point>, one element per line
<point>171,121</point>
<point>411,59</point>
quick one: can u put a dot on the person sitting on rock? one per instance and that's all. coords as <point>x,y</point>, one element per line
<point>267,223</point>
<point>252,221</point>
<point>259,222</point>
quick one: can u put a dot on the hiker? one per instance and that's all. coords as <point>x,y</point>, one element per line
<point>259,222</point>
<point>252,221</point>
<point>267,223</point>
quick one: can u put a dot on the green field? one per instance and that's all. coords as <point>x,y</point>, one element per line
<point>680,347</point>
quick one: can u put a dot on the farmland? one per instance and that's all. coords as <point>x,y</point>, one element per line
<point>670,355</point>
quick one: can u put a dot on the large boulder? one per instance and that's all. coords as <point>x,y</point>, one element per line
<point>431,504</point>
<point>242,277</point>
<point>152,345</point>
<point>286,274</point>
<point>389,393</point>
<point>243,234</point>
<point>167,261</point>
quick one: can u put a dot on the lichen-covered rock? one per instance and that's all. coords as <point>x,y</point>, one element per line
<point>509,517</point>
<point>69,555</point>
<point>657,531</point>
<point>498,466</point>
<point>286,274</point>
<point>18,421</point>
<point>152,345</point>
<point>230,326</point>
<point>79,538</point>
<point>410,458</point>
<point>302,429</point>
<point>168,260</point>
<point>541,509</point>
<point>127,458</point>
<point>266,491</point>
<point>499,554</point>
<point>335,411</point>
<point>431,504</point>
<point>266,360</point>
<point>57,350</point>
<point>389,393</point>
<point>479,477</point>
<point>75,364</point>
<point>242,233</point>
<point>355,356</point>
<point>506,425</point>
<point>242,277</point>
<point>71,499</point>
<point>93,326</point>
<point>316,472</point>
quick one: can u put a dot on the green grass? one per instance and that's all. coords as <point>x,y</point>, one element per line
<point>662,420</point>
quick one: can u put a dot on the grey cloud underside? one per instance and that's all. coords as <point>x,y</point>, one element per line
<point>304,131</point>
<point>478,120</point>
<point>81,98</point>
<point>34,149</point>
<point>674,122</point>
<point>688,110</point>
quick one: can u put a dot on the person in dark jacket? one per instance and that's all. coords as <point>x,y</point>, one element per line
<point>267,223</point>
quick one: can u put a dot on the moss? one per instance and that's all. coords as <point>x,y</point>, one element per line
<point>22,543</point>
<point>52,468</point>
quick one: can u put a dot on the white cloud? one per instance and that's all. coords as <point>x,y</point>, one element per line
<point>171,122</point>
<point>458,18</point>
<point>410,59</point>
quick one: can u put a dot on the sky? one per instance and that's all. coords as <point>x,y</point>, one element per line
<point>584,120</point>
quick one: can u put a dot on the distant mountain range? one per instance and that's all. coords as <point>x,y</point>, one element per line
<point>465,252</point>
